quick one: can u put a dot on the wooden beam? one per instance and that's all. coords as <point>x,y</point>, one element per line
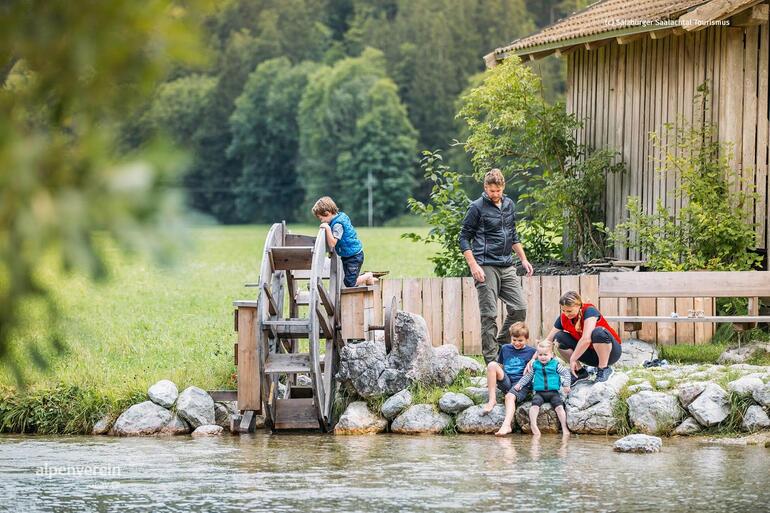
<point>712,11</point>
<point>756,15</point>
<point>325,299</point>
<point>490,60</point>
<point>685,284</point>
<point>624,40</point>
<point>272,306</point>
<point>660,34</point>
<point>326,327</point>
<point>566,51</point>
<point>593,45</point>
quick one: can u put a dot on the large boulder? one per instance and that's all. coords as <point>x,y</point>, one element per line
<point>445,365</point>
<point>762,395</point>
<point>358,420</point>
<point>142,419</point>
<point>653,412</point>
<point>745,385</point>
<point>163,393</point>
<point>420,419</point>
<point>547,421</point>
<point>175,426</point>
<point>395,404</point>
<point>208,430</point>
<point>636,352</point>
<point>366,369</point>
<point>597,419</point>
<point>639,444</point>
<point>744,353</point>
<point>755,419</point>
<point>687,392</point>
<point>473,420</point>
<point>196,407</point>
<point>102,427</point>
<point>481,394</point>
<point>689,426</point>
<point>453,403</point>
<point>223,411</point>
<point>712,406</point>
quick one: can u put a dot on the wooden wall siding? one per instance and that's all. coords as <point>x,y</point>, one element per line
<point>625,92</point>
<point>450,309</point>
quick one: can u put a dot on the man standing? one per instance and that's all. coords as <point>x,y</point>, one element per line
<point>487,237</point>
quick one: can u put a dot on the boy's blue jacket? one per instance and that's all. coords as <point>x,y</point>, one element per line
<point>349,244</point>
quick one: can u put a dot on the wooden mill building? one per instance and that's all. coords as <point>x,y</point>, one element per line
<point>633,65</point>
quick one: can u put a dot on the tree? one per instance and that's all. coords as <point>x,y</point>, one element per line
<point>69,75</point>
<point>352,122</point>
<point>265,139</point>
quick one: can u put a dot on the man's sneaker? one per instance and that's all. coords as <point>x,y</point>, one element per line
<point>582,375</point>
<point>603,374</point>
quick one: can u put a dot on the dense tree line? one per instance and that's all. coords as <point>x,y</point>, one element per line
<point>309,97</point>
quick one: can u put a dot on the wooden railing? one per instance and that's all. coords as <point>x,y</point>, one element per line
<point>450,308</point>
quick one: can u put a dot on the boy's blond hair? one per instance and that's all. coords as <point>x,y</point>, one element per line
<point>494,177</point>
<point>545,344</point>
<point>519,329</point>
<point>324,206</point>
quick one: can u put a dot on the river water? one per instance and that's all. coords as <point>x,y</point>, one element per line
<point>382,473</point>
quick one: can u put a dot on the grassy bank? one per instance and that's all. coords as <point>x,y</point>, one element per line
<point>149,323</point>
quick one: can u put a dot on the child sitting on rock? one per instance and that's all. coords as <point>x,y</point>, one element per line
<point>547,376</point>
<point>507,370</point>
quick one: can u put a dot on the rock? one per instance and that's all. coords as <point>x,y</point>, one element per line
<point>445,365</point>
<point>222,415</point>
<point>367,370</point>
<point>547,421</point>
<point>479,381</point>
<point>597,419</point>
<point>745,385</point>
<point>395,404</point>
<point>471,365</point>
<point>687,392</point>
<point>762,395</point>
<point>102,427</point>
<point>481,395</point>
<point>635,352</point>
<point>163,393</point>
<point>141,419</point>
<point>196,407</point>
<point>208,430</point>
<point>742,354</point>
<point>283,391</point>
<point>472,420</point>
<point>688,427</point>
<point>419,419</point>
<point>662,384</point>
<point>644,386</point>
<point>711,407</point>
<point>638,443</point>
<point>175,426</point>
<point>358,420</point>
<point>453,403</point>
<point>755,419</point>
<point>653,412</point>
<point>304,380</point>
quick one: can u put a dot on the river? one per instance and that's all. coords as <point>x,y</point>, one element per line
<point>382,473</point>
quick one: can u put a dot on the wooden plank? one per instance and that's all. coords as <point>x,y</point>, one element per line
<point>636,87</point>
<point>714,10</point>
<point>699,334</point>
<point>432,308</point>
<point>452,299</point>
<point>731,118</point>
<point>685,284</point>
<point>352,309</point>
<point>622,142</point>
<point>589,288</point>
<point>691,320</point>
<point>272,306</point>
<point>685,333</point>
<point>550,294</point>
<point>287,258</point>
<point>531,286</point>
<point>647,307</point>
<point>325,299</point>
<point>608,306</point>
<point>666,330</point>
<point>412,296</point>
<point>763,72</point>
<point>295,414</point>
<point>249,371</point>
<point>748,159</point>
<point>392,288</point>
<point>569,282</point>
<point>471,318</point>
<point>283,363</point>
<point>612,124</point>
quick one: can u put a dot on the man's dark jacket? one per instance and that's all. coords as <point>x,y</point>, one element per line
<point>489,231</point>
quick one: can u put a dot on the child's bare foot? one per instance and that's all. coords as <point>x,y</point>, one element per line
<point>565,434</point>
<point>503,431</point>
<point>488,407</point>
<point>535,432</point>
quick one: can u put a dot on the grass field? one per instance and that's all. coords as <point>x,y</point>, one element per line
<point>148,323</point>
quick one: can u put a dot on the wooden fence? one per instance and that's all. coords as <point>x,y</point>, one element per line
<point>450,308</point>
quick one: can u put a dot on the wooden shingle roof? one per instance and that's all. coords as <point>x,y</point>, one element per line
<point>600,17</point>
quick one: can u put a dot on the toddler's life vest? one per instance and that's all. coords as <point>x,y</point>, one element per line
<point>545,376</point>
<point>566,324</point>
<point>349,244</point>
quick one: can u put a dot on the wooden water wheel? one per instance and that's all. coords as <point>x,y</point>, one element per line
<point>295,321</point>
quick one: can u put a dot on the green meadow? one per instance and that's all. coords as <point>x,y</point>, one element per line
<point>148,322</point>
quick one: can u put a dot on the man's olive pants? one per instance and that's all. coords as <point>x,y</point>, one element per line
<point>502,283</point>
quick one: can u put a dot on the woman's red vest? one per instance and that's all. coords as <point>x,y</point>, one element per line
<point>566,324</point>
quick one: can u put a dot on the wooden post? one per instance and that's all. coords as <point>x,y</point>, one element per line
<point>249,361</point>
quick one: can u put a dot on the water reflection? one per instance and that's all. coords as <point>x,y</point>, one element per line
<point>383,473</point>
